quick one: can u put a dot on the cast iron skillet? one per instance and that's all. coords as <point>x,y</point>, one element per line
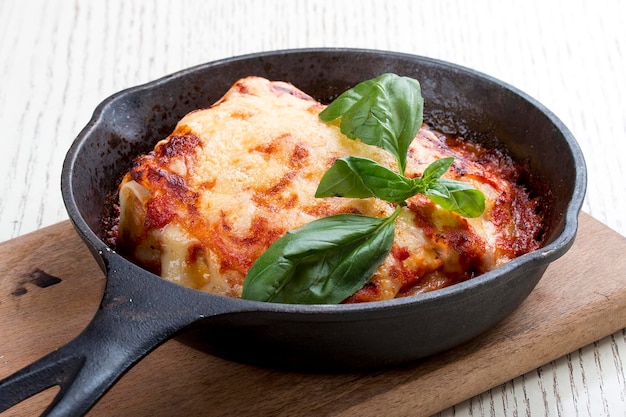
<point>139,311</point>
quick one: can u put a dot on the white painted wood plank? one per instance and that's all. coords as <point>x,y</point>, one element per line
<point>59,59</point>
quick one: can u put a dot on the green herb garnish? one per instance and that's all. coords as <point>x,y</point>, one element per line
<point>386,111</point>
<point>323,262</point>
<point>329,259</point>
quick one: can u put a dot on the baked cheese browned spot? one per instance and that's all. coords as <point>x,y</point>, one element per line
<point>231,179</point>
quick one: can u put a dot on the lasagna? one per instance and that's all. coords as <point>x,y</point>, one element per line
<point>232,178</point>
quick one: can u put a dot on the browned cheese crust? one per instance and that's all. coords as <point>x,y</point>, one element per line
<point>234,177</point>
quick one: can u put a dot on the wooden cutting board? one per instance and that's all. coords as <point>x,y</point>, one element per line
<point>50,287</point>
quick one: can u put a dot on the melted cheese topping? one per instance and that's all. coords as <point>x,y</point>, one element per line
<point>233,178</point>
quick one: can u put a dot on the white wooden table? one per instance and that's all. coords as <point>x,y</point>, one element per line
<point>59,59</point>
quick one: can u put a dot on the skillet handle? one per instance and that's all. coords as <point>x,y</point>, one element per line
<point>138,312</point>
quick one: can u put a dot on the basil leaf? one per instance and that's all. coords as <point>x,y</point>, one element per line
<point>386,111</point>
<point>357,177</point>
<point>323,262</point>
<point>457,196</point>
<point>436,169</point>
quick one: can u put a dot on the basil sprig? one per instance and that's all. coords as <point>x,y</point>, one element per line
<point>357,177</point>
<point>329,259</point>
<point>451,195</point>
<point>386,111</point>
<point>321,262</point>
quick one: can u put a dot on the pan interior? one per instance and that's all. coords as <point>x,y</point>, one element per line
<point>456,100</point>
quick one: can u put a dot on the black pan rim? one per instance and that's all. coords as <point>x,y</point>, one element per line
<point>541,257</point>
